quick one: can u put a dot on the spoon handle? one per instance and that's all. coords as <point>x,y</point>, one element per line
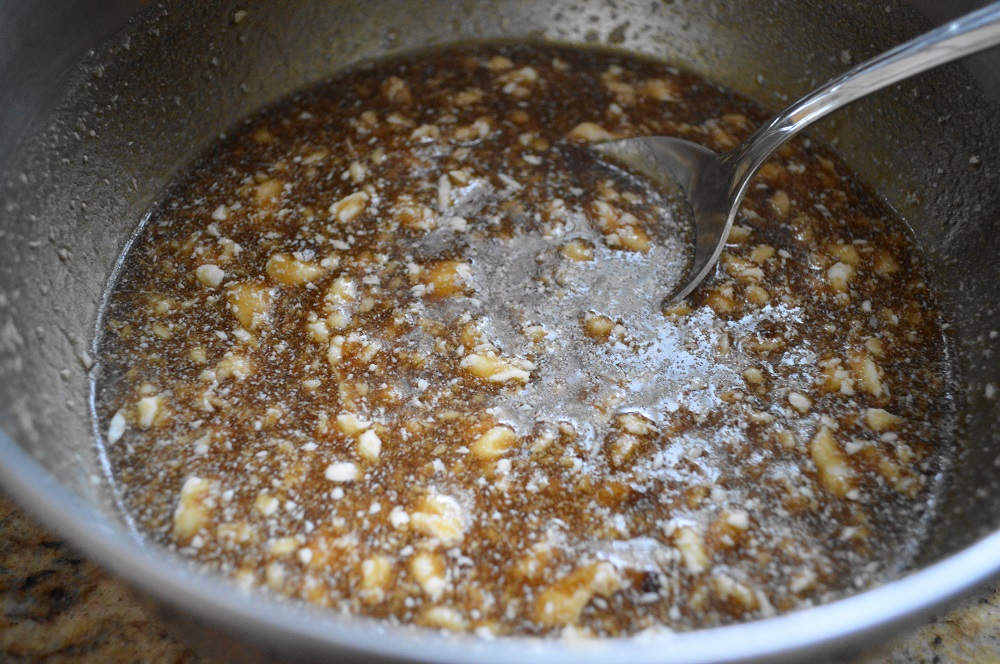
<point>964,36</point>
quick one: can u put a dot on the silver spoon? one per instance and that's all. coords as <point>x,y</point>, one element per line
<point>714,184</point>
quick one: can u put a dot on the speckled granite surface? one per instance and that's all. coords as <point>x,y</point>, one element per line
<point>970,634</point>
<point>57,607</point>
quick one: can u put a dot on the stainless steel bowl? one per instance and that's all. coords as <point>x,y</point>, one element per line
<point>86,153</point>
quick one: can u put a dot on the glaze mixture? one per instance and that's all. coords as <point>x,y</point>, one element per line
<point>393,347</point>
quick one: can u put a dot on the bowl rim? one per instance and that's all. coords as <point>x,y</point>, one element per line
<point>297,628</point>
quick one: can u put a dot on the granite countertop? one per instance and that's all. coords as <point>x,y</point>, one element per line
<point>55,606</point>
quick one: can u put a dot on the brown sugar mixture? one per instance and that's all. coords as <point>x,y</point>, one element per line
<point>394,346</point>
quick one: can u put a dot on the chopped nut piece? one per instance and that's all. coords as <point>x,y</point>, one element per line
<point>834,473</point>
<point>497,369</point>
<point>478,130</point>
<point>774,174</point>
<point>193,510</point>
<point>802,581</point>
<point>519,82</point>
<point>885,263</point>
<point>536,333</point>
<point>210,275</point>
<point>288,270</point>
<point>786,439</point>
<point>148,408</point>
<point>634,238</point>
<point>494,443</point>
<point>163,307</point>
<point>622,448</point>
<point>562,603</point>
<point>283,546</point>
<point>739,234</point>
<point>469,97</point>
<point>376,573</point>
<point>620,228</point>
<point>720,302</point>
<point>349,207</point>
<point>762,253</point>
<point>369,445</point>
<point>233,366</point>
<point>589,132</point>
<point>266,504</point>
<point>398,517</point>
<point>351,424</point>
<point>845,253</point>
<point>692,548</point>
<point>660,89</point>
<point>396,91</point>
<point>440,517</point>
<point>263,136</point>
<point>341,289</point>
<point>763,345</point>
<point>335,351</point>
<point>342,471</point>
<point>727,589</point>
<point>836,378</point>
<point>799,402</point>
<point>251,304</point>
<point>723,345</point>
<point>636,424</point>
<point>267,191</point>
<point>429,570</point>
<point>445,618</point>
<point>274,576</point>
<point>338,320</point>
<point>315,157</point>
<point>425,132</point>
<point>878,419</point>
<point>679,309</point>
<point>499,63</point>
<point>782,204</point>
<point>318,330</point>
<point>757,295</point>
<point>744,270</point>
<point>736,519</point>
<point>413,215</point>
<point>578,250</point>
<point>867,374</point>
<point>446,278</point>
<point>356,172</point>
<point>117,428</point>
<point>523,75</point>
<point>598,327</point>
<point>839,275</point>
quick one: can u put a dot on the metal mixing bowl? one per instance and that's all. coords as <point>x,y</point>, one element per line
<point>85,155</point>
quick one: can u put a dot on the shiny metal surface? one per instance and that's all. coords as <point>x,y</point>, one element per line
<point>709,193</point>
<point>714,184</point>
<point>108,137</point>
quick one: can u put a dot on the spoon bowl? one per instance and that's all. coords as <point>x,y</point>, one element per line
<point>704,178</point>
<point>713,184</point>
